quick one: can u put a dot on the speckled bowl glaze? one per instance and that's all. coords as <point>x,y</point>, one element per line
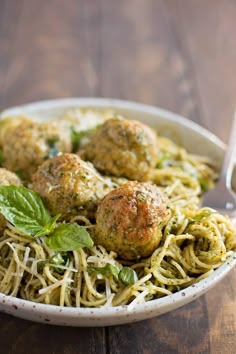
<point>193,137</point>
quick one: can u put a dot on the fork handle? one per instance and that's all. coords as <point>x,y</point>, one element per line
<point>229,157</point>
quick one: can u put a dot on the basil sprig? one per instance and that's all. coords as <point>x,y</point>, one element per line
<point>107,271</point>
<point>24,209</point>
<point>69,237</point>
<point>59,258</point>
<point>126,275</point>
<point>59,261</point>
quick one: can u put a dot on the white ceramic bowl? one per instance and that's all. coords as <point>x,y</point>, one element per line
<point>190,135</point>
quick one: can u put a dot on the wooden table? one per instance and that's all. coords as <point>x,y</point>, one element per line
<point>177,54</point>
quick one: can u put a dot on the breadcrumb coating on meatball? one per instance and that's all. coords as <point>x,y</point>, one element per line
<point>26,143</point>
<point>69,186</point>
<point>8,178</point>
<point>122,148</point>
<point>130,220</point>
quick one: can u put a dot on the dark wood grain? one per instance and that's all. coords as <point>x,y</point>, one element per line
<point>22,337</point>
<point>207,31</point>
<point>172,333</point>
<point>176,54</point>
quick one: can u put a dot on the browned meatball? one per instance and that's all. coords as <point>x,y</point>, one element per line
<point>26,143</point>
<point>130,220</point>
<point>7,178</point>
<point>5,123</point>
<point>121,147</point>
<point>69,185</point>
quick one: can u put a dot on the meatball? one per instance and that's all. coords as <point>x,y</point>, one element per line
<point>5,123</point>
<point>26,144</point>
<point>130,219</point>
<point>7,178</point>
<point>69,186</point>
<point>124,148</point>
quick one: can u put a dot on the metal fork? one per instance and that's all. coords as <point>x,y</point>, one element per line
<point>222,197</point>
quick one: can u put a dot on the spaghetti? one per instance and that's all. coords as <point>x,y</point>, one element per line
<point>195,242</point>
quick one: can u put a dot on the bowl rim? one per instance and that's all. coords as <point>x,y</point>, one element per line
<point>189,293</point>
<point>113,103</point>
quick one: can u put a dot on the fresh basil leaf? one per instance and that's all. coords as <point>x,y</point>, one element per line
<point>58,259</point>
<point>69,237</point>
<point>107,270</point>
<point>25,210</point>
<point>52,223</point>
<point>1,157</point>
<point>128,276</point>
<point>49,227</point>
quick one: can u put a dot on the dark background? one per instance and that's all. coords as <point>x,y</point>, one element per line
<point>177,54</point>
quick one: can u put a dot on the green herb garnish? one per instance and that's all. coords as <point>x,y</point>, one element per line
<point>59,261</point>
<point>25,210</point>
<point>126,275</point>
<point>106,271</point>
<point>69,237</point>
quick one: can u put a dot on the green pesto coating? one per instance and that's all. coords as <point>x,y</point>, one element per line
<point>123,148</point>
<point>69,186</point>
<point>130,220</point>
<point>26,144</point>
